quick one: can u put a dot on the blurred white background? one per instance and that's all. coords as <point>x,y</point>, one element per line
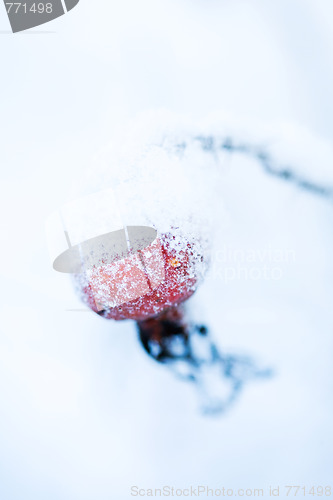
<point>84,413</point>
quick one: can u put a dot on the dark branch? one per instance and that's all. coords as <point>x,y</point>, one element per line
<point>283,172</point>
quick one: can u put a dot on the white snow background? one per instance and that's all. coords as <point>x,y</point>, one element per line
<point>84,413</point>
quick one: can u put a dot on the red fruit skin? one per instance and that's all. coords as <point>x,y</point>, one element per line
<point>178,285</point>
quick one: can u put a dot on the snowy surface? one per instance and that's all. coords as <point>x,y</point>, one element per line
<point>84,413</point>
